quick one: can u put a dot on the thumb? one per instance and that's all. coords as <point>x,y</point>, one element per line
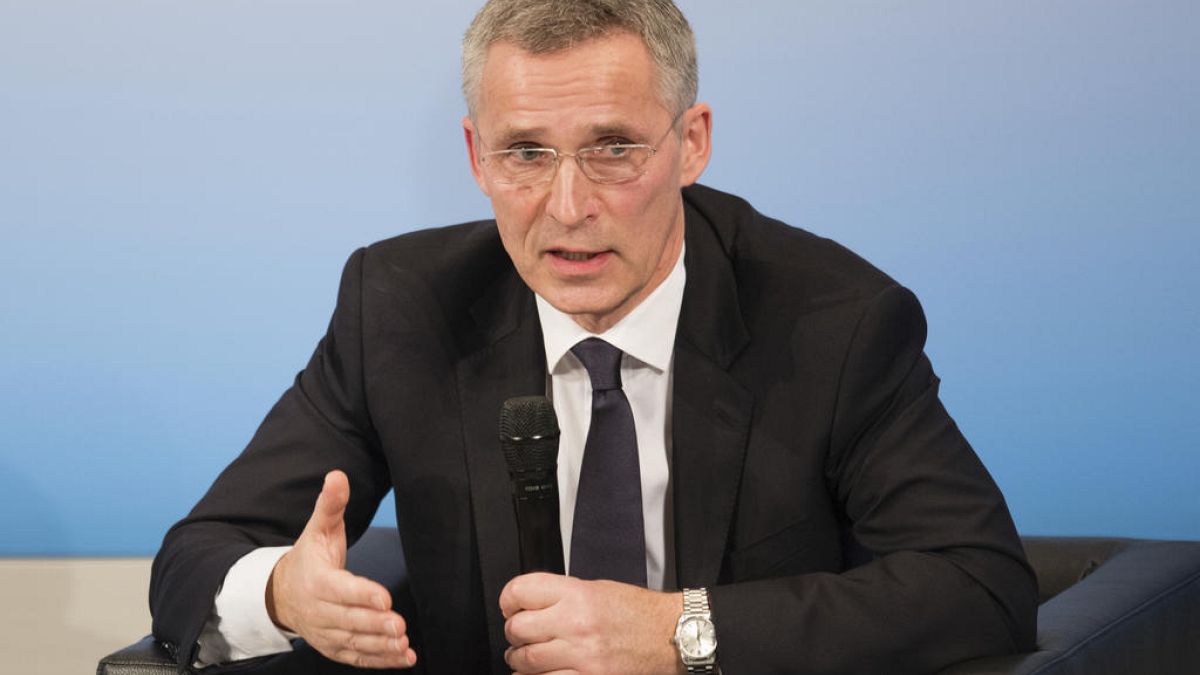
<point>328,515</point>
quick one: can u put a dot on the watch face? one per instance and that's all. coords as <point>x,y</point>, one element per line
<point>697,639</point>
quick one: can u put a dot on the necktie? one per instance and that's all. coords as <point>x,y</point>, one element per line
<point>608,538</point>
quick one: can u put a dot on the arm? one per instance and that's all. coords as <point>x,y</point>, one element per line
<point>265,497</point>
<point>949,580</point>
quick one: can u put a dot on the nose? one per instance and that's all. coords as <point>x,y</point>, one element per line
<point>570,198</point>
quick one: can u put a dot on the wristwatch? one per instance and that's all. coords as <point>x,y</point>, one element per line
<point>695,636</point>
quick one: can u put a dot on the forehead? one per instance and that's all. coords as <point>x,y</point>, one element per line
<point>605,84</point>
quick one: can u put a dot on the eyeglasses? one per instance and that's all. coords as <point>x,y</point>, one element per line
<point>607,164</point>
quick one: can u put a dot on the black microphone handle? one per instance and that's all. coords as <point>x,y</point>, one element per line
<point>535,497</point>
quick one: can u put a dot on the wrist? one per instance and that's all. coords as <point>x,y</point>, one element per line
<point>275,601</point>
<point>672,609</point>
<point>695,634</point>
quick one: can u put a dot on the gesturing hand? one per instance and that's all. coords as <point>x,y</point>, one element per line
<point>345,617</point>
<point>559,624</point>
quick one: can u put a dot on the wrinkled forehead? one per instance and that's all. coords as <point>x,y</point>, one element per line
<point>602,86</point>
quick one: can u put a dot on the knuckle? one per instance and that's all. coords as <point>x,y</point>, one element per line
<point>379,623</point>
<point>519,625</point>
<point>535,657</point>
<point>517,659</point>
<point>582,623</point>
<point>516,586</point>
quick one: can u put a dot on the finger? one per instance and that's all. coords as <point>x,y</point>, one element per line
<point>540,657</point>
<point>353,658</point>
<point>529,626</point>
<point>346,588</point>
<point>372,651</point>
<point>358,620</point>
<point>531,591</point>
<point>367,645</point>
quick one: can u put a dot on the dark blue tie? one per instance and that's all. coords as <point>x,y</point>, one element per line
<point>608,539</point>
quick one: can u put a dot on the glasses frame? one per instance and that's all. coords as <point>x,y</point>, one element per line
<point>580,158</point>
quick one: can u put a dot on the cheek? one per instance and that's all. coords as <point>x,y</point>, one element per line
<point>643,215</point>
<point>519,205</point>
<point>515,223</point>
<point>513,236</point>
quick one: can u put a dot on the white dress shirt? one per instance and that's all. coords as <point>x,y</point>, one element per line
<point>239,626</point>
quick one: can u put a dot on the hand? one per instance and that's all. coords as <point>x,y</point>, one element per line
<point>345,617</point>
<point>559,624</point>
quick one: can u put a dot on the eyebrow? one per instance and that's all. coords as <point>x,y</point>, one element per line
<point>512,135</point>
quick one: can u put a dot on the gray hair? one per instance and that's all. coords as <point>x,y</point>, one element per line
<point>546,26</point>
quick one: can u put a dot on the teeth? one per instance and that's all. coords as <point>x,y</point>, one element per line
<point>577,257</point>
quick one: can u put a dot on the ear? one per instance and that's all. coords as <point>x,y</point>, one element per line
<point>695,143</point>
<point>470,135</point>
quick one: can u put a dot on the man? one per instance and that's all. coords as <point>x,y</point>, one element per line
<point>794,465</point>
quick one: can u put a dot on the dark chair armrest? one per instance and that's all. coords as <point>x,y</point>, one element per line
<point>145,657</point>
<point>376,555</point>
<point>1137,611</point>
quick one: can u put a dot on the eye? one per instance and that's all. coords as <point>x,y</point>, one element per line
<point>614,147</point>
<point>528,153</point>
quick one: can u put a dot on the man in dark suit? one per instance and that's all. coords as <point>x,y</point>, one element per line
<point>797,470</point>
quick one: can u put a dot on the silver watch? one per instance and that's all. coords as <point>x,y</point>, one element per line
<point>695,636</point>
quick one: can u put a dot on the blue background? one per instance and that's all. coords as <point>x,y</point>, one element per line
<point>181,182</point>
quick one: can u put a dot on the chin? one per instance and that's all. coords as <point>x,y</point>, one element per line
<point>570,303</point>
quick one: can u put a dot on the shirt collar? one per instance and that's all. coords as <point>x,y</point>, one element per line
<point>647,333</point>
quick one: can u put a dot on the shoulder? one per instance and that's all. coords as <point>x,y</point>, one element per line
<point>438,249</point>
<point>780,266</point>
<point>452,266</point>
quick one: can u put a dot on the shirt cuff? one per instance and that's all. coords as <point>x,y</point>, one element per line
<point>239,627</point>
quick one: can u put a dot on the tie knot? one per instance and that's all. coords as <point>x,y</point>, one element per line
<point>603,363</point>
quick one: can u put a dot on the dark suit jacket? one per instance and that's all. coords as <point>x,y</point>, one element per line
<point>820,489</point>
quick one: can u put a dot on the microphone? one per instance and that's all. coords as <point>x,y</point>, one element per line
<point>529,440</point>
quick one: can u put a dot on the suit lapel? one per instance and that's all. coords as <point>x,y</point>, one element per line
<point>508,360</point>
<point>711,410</point>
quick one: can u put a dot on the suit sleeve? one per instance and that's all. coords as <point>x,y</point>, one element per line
<point>264,498</point>
<point>948,580</point>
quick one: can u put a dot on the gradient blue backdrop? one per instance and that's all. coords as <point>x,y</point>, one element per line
<point>180,183</point>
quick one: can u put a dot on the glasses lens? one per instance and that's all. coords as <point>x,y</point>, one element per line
<point>614,163</point>
<point>523,165</point>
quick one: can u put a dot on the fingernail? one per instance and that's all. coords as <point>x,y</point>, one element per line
<point>395,629</point>
<point>394,645</point>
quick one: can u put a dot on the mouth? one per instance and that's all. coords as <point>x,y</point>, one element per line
<point>575,263</point>
<point>575,256</point>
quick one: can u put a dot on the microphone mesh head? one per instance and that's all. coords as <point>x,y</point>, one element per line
<point>529,434</point>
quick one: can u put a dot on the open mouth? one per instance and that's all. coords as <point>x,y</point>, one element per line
<point>575,256</point>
